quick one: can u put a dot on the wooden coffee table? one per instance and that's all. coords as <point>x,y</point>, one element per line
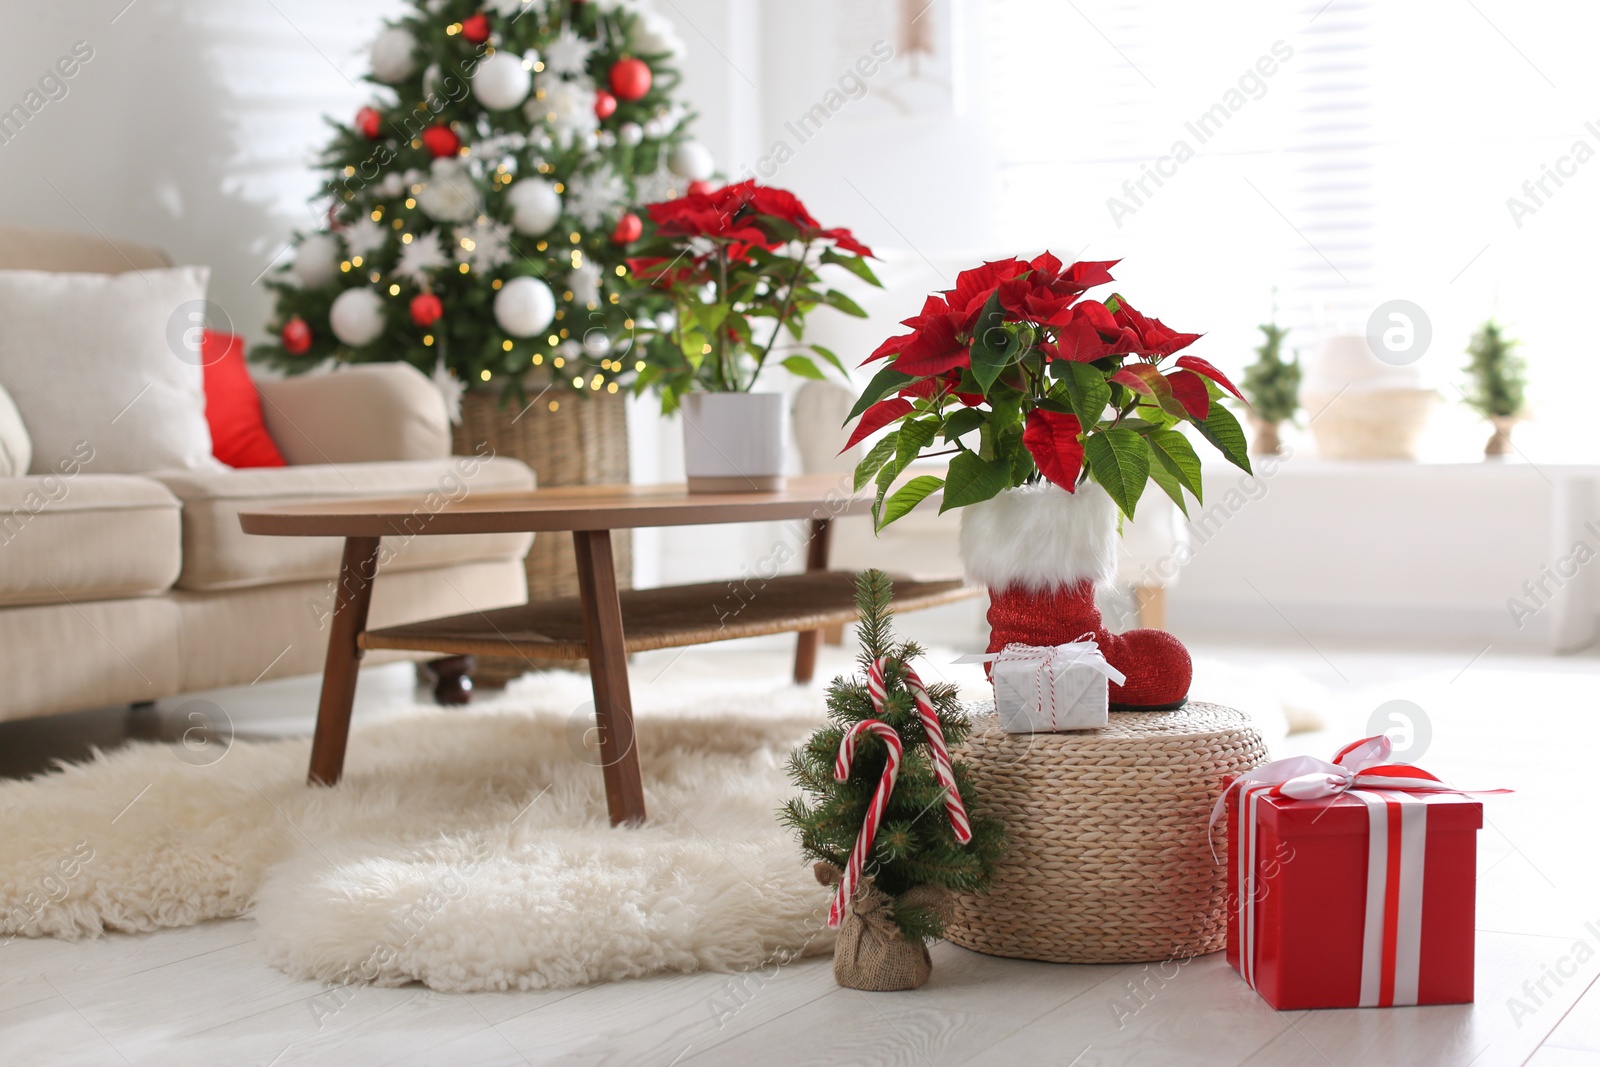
<point>601,624</point>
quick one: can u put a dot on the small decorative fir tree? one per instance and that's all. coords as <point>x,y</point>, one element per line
<point>1497,376</point>
<point>915,845</point>
<point>1271,383</point>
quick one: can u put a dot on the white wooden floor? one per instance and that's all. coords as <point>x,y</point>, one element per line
<point>206,996</point>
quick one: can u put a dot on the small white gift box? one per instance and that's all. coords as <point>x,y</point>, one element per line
<point>1045,689</point>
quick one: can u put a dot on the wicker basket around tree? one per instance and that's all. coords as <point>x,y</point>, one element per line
<point>1107,858</point>
<point>567,440</point>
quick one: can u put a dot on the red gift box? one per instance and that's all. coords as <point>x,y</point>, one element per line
<point>1351,884</point>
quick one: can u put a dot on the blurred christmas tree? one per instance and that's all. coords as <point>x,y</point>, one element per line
<point>1497,382</point>
<point>481,205</point>
<point>1273,386</point>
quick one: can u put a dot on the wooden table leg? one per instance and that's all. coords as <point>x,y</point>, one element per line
<point>805,650</point>
<point>350,602</point>
<point>608,672</point>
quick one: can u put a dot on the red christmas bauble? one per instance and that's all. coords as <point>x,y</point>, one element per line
<point>700,188</point>
<point>476,28</point>
<point>370,123</point>
<point>605,105</point>
<point>630,78</point>
<point>296,336</point>
<point>628,229</point>
<point>426,309</point>
<point>440,140</point>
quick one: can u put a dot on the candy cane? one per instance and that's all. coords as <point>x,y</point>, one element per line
<point>942,768</point>
<point>880,802</point>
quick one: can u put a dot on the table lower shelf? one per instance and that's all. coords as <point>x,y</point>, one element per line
<point>668,617</point>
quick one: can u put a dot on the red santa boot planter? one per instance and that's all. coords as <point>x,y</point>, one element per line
<point>1041,551</point>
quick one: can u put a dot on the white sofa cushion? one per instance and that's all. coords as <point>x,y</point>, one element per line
<point>100,358</point>
<point>77,537</point>
<point>16,449</point>
<point>217,554</point>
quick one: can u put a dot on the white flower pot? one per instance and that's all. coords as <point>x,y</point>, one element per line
<point>734,442</point>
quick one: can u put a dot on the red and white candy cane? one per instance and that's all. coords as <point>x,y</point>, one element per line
<point>880,803</point>
<point>942,768</point>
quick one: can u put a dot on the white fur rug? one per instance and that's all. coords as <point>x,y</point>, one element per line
<point>465,849</point>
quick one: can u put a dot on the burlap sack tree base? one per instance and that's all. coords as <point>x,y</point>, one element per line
<point>872,953</point>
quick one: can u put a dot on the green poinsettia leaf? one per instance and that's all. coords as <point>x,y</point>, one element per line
<point>886,381</point>
<point>856,265</point>
<point>835,299</point>
<point>829,355</point>
<point>1168,482</point>
<point>1120,462</point>
<point>962,422</point>
<point>1087,391</point>
<point>875,458</point>
<point>1175,456</point>
<point>1223,430</point>
<point>914,437</point>
<point>973,479</point>
<point>909,496</point>
<point>994,348</point>
<point>802,366</point>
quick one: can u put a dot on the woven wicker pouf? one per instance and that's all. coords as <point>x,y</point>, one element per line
<point>1107,859</point>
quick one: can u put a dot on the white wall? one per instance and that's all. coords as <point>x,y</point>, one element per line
<point>192,127</point>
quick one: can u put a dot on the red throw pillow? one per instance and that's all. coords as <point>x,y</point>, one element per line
<point>239,437</point>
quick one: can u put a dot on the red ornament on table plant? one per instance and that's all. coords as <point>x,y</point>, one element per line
<point>628,229</point>
<point>440,141</point>
<point>1072,409</point>
<point>475,28</point>
<point>700,188</point>
<point>605,105</point>
<point>296,336</point>
<point>426,309</point>
<point>370,123</point>
<point>630,78</point>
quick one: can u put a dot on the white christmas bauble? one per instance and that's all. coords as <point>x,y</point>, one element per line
<point>630,133</point>
<point>692,160</point>
<point>606,139</point>
<point>357,317</point>
<point>535,206</point>
<point>394,55</point>
<point>524,307</point>
<point>431,78</point>
<point>393,184</point>
<point>654,128</point>
<point>654,33</point>
<point>596,343</point>
<point>316,260</point>
<point>500,82</point>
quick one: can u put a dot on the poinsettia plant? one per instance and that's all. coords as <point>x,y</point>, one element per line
<point>730,258</point>
<point>1018,377</point>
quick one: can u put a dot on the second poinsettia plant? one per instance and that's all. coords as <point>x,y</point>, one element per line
<point>1019,377</point>
<point>730,258</point>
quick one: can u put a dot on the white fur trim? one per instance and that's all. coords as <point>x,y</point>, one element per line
<point>1040,536</point>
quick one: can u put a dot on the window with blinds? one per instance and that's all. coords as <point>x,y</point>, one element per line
<point>1344,153</point>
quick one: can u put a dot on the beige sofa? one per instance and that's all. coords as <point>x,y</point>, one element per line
<point>126,588</point>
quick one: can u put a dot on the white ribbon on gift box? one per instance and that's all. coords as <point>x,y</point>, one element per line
<point>1049,665</point>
